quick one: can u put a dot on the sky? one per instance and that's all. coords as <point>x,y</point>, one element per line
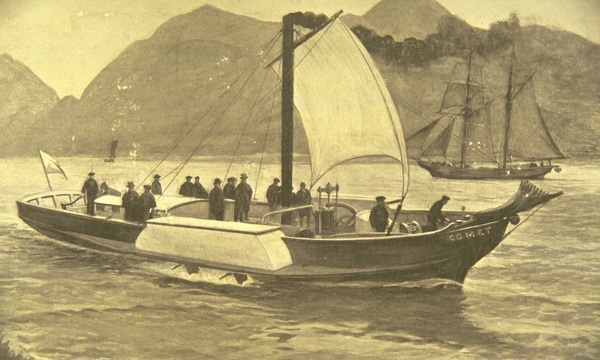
<point>68,42</point>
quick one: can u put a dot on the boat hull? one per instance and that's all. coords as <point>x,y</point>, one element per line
<point>447,254</point>
<point>80,229</point>
<point>453,172</point>
<point>270,255</point>
<point>273,253</point>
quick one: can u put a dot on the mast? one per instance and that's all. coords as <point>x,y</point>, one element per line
<point>508,112</point>
<point>466,116</point>
<point>287,109</point>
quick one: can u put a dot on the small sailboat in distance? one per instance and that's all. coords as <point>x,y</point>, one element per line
<point>113,151</point>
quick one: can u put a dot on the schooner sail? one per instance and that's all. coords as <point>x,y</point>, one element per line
<point>460,144</point>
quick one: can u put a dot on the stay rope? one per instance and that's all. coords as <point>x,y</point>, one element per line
<point>270,44</point>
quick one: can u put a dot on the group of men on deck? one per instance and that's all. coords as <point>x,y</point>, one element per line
<point>138,207</point>
<point>300,198</point>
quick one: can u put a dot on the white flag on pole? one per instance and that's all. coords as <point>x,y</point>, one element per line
<point>51,165</point>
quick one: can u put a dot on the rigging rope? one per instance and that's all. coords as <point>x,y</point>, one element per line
<point>246,125</point>
<point>265,142</point>
<point>269,44</point>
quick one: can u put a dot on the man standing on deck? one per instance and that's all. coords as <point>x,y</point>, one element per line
<point>216,202</point>
<point>229,192</point>
<point>273,194</point>
<point>156,186</point>
<point>303,198</point>
<point>379,215</point>
<point>199,190</point>
<point>147,203</point>
<point>128,200</point>
<point>187,189</point>
<point>435,213</point>
<point>90,190</point>
<point>243,197</point>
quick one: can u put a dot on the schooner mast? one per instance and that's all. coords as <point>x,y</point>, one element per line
<point>466,112</point>
<point>509,96</point>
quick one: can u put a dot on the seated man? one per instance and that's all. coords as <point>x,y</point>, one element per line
<point>435,214</point>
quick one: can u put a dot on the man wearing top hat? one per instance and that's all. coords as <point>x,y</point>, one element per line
<point>156,186</point>
<point>147,203</point>
<point>273,194</point>
<point>435,213</point>
<point>216,202</point>
<point>379,215</point>
<point>128,201</point>
<point>90,190</point>
<point>187,189</point>
<point>243,197</point>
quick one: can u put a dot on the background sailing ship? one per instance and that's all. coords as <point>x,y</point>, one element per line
<point>462,145</point>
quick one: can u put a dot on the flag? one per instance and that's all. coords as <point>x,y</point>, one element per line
<point>51,165</point>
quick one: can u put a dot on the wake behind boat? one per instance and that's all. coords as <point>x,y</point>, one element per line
<point>329,77</point>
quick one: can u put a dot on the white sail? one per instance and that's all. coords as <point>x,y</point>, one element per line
<point>346,108</point>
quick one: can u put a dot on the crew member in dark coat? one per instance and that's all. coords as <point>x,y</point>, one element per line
<point>379,215</point>
<point>90,190</point>
<point>187,189</point>
<point>303,197</point>
<point>230,192</point>
<point>435,213</point>
<point>147,203</point>
<point>243,198</point>
<point>128,201</point>
<point>273,194</point>
<point>199,190</point>
<point>156,186</point>
<point>216,202</point>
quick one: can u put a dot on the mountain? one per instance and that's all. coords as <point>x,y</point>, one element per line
<point>25,98</point>
<point>158,88</point>
<point>401,18</point>
<point>161,89</point>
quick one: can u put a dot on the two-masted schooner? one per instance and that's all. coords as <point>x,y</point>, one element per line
<point>330,78</point>
<point>461,143</point>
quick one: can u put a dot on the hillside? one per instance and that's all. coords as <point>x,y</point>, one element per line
<point>157,89</point>
<point>401,18</point>
<point>25,98</point>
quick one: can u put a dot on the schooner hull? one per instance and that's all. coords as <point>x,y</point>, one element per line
<point>453,172</point>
